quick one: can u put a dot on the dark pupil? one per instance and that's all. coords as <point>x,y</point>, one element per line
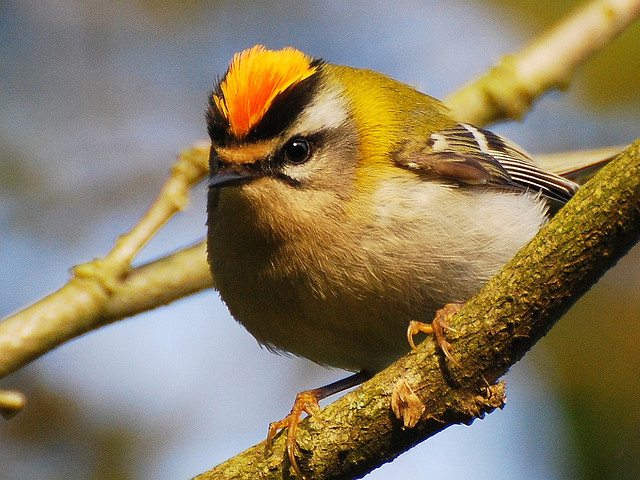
<point>297,150</point>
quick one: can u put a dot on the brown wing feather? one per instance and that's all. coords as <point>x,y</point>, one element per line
<point>467,155</point>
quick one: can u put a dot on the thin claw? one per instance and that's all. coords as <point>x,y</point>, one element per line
<point>436,328</point>
<point>410,334</point>
<point>415,328</point>
<point>292,448</point>
<point>438,333</point>
<point>440,324</point>
<point>305,402</point>
<point>273,430</point>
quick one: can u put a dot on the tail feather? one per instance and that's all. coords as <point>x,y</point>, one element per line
<point>578,166</point>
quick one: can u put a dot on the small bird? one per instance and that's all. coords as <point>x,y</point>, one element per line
<point>343,204</point>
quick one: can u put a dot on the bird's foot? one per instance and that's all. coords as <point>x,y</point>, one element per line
<point>436,328</point>
<point>305,402</point>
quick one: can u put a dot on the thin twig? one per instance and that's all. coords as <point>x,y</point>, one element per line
<point>509,89</point>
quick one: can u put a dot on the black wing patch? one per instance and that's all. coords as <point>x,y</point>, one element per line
<point>468,155</point>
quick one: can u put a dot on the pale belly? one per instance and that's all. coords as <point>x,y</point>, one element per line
<point>346,301</point>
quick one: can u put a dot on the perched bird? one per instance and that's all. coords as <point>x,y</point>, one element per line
<point>343,204</point>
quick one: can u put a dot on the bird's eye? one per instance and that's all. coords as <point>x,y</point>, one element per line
<point>297,151</point>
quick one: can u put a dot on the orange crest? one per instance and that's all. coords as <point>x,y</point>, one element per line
<point>255,78</point>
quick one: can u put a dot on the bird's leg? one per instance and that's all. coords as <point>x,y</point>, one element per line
<point>436,328</point>
<point>307,402</point>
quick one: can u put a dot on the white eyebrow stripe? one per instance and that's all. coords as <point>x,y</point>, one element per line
<point>326,111</point>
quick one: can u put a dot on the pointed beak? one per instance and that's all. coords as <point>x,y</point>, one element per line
<point>231,175</point>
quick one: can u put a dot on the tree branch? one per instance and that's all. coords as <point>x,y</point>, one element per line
<point>509,89</point>
<point>108,289</point>
<point>358,433</point>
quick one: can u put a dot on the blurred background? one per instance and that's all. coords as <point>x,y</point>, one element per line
<point>98,97</point>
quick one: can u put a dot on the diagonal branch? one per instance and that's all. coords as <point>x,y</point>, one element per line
<point>358,433</point>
